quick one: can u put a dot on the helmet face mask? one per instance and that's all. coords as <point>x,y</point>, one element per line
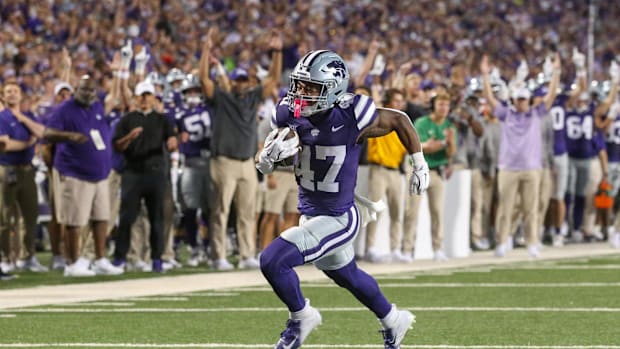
<point>319,79</point>
<point>191,90</point>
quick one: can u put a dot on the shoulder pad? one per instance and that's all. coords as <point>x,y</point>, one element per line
<point>345,100</point>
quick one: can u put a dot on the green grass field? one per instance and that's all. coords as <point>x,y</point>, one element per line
<point>568,304</point>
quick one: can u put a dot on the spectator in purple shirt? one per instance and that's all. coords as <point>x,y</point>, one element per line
<point>18,133</point>
<point>520,157</point>
<point>81,177</point>
<point>17,177</point>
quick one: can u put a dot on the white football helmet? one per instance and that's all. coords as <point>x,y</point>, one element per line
<point>324,68</point>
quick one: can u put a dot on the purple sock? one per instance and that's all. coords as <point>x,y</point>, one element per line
<point>578,208</point>
<point>277,262</point>
<point>363,287</point>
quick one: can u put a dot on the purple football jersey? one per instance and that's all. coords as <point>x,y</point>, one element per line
<point>612,141</point>
<point>326,169</point>
<point>580,133</point>
<point>558,113</point>
<point>196,121</point>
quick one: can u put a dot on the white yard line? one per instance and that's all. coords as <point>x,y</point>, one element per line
<point>454,285</point>
<point>214,294</point>
<point>176,284</point>
<point>102,304</point>
<point>313,346</point>
<point>282,309</point>
<point>158,299</point>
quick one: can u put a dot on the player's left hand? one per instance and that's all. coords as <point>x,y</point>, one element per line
<point>420,178</point>
<point>279,148</point>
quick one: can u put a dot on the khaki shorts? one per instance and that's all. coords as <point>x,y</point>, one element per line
<point>79,201</point>
<point>284,197</point>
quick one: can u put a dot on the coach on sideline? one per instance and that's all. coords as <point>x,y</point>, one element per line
<point>520,155</point>
<point>140,136</point>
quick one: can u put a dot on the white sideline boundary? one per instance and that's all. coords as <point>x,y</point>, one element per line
<point>324,310</point>
<point>173,285</point>
<point>313,346</point>
<point>459,285</point>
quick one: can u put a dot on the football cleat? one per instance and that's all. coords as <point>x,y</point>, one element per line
<point>394,335</point>
<point>297,330</point>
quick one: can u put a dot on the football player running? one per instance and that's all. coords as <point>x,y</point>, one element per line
<point>329,125</point>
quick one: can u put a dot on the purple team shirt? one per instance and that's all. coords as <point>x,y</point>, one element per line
<point>326,170</point>
<point>612,142</point>
<point>521,141</point>
<point>15,130</point>
<point>83,161</point>
<point>558,113</point>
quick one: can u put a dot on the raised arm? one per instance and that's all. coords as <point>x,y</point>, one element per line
<point>486,84</point>
<point>373,48</point>
<point>554,83</point>
<point>208,86</point>
<point>603,108</point>
<point>275,69</point>
<point>65,66</point>
<point>579,60</point>
<point>113,97</point>
<point>222,78</point>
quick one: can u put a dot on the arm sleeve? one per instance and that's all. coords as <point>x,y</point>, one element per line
<point>364,110</point>
<point>168,128</point>
<point>280,114</point>
<point>121,128</point>
<point>56,120</point>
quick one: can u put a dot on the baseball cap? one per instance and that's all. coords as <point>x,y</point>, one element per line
<point>521,92</point>
<point>239,74</point>
<point>62,86</point>
<point>145,87</point>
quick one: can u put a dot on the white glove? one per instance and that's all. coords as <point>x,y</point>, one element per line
<point>614,72</point>
<point>548,68</point>
<point>420,178</point>
<point>579,59</point>
<point>522,71</point>
<point>494,76</point>
<point>277,148</point>
<point>142,58</point>
<point>126,54</point>
<point>502,94</point>
<point>378,66</point>
<point>264,164</point>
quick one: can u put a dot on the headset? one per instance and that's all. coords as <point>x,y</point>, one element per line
<point>389,94</point>
<point>432,102</point>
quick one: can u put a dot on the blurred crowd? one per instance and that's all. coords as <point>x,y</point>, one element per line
<point>210,66</point>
